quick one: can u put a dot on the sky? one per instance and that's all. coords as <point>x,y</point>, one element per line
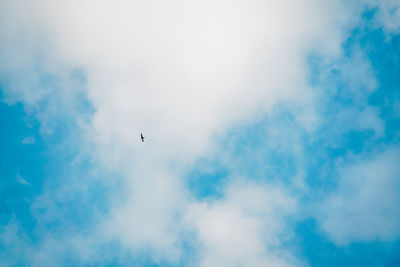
<point>272,133</point>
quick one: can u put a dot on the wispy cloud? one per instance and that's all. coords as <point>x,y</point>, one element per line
<point>28,140</point>
<point>21,180</point>
<point>364,207</point>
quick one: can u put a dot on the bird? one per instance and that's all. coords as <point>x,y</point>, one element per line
<point>142,137</point>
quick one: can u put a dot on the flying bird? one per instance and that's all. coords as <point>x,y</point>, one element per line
<point>142,137</point>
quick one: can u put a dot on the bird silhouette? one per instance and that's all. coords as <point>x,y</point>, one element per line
<point>142,137</point>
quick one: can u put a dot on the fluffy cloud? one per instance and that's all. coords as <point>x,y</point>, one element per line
<point>388,15</point>
<point>243,228</point>
<point>179,71</point>
<point>182,73</point>
<point>364,207</point>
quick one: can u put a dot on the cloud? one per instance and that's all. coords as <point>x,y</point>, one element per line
<point>14,243</point>
<point>28,140</point>
<point>21,180</point>
<point>149,219</point>
<point>364,207</point>
<point>244,227</point>
<point>388,15</point>
<point>184,74</point>
<point>147,70</point>
<point>18,248</point>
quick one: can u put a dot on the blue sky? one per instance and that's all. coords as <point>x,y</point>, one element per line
<point>272,133</point>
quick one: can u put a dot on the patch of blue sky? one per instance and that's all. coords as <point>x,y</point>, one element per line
<point>21,165</point>
<point>49,185</point>
<point>207,179</point>
<point>336,141</point>
<point>252,153</point>
<point>318,251</point>
<point>385,59</point>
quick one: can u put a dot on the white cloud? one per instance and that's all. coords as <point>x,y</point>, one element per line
<point>364,207</point>
<point>149,219</point>
<point>180,72</point>
<point>243,228</point>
